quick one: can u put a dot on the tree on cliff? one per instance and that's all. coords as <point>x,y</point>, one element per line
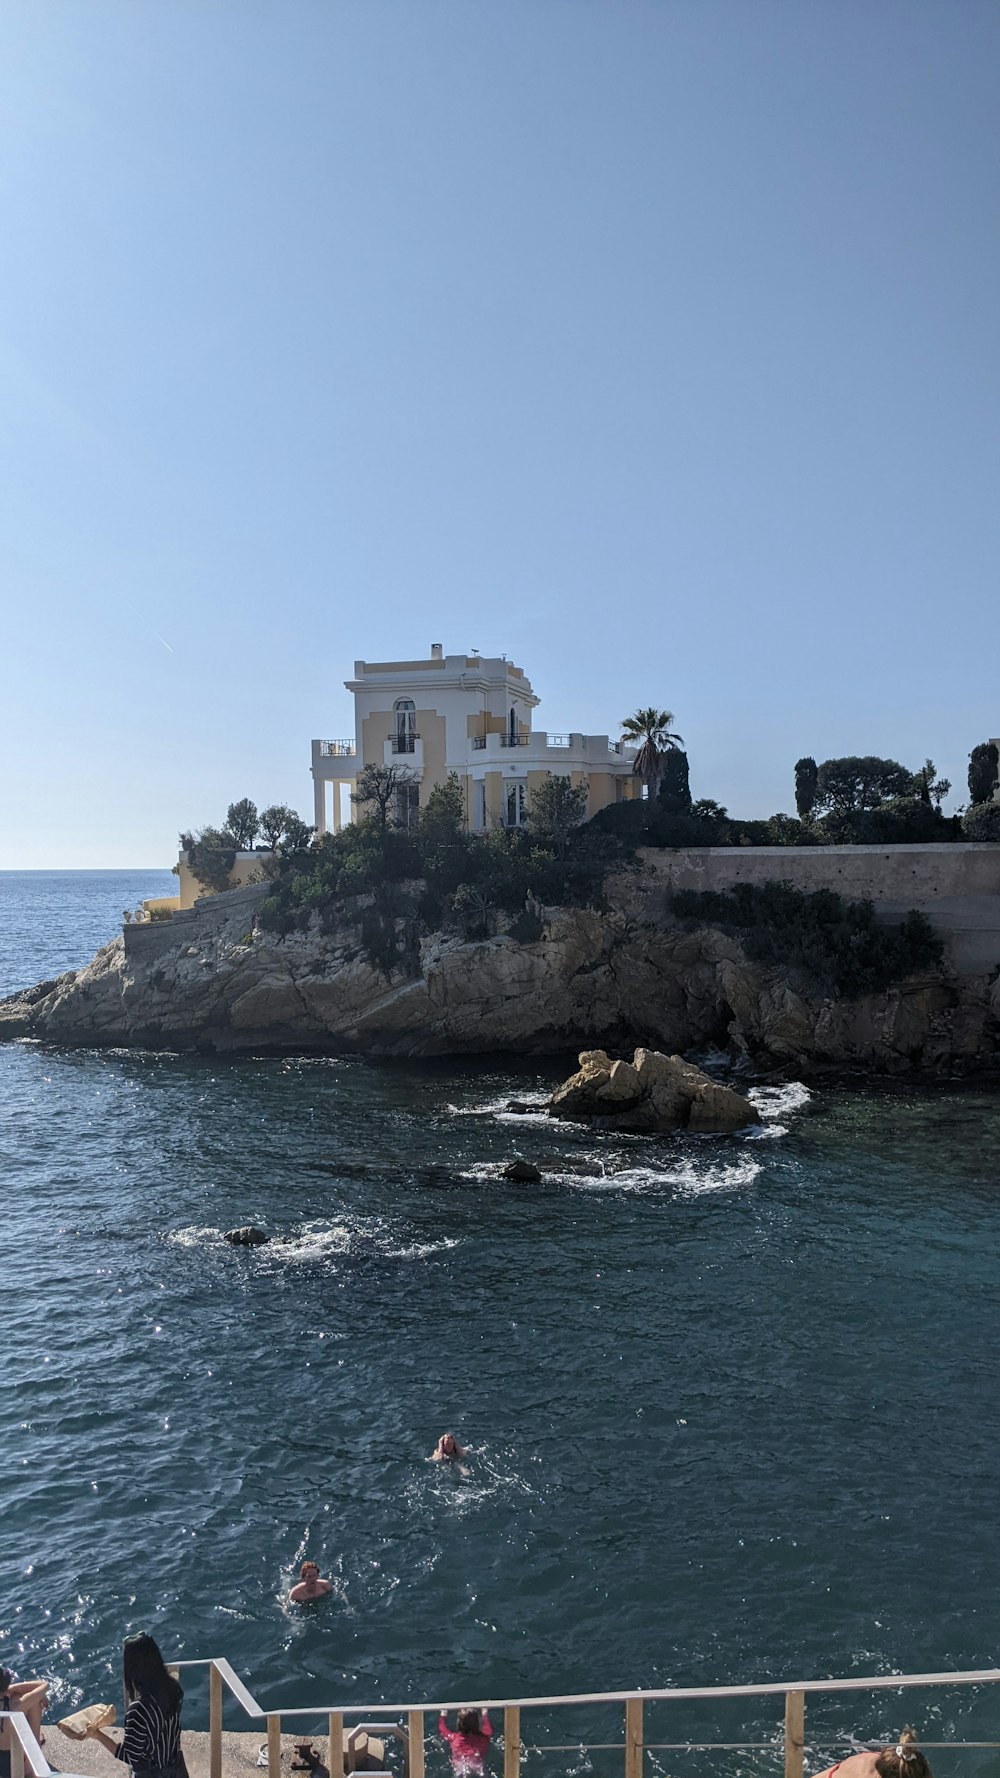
<point>929,787</point>
<point>855,784</point>
<point>211,856</point>
<point>653,730</point>
<point>242,821</point>
<point>273,821</point>
<point>442,819</point>
<point>297,833</point>
<point>376,789</point>
<point>556,807</point>
<point>674,794</point>
<point>806,774</point>
<point>984,763</point>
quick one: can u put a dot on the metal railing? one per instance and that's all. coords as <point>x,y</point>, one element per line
<point>337,749</point>
<point>507,740</point>
<point>558,740</point>
<point>633,1744</point>
<point>403,743</point>
<point>25,1754</point>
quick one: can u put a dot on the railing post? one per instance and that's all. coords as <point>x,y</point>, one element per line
<point>633,1738</point>
<point>335,1744</point>
<point>512,1741</point>
<point>214,1722</point>
<point>274,1747</point>
<point>795,1733</point>
<point>415,1747</point>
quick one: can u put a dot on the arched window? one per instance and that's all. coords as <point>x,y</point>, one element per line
<point>405,715</point>
<point>513,726</point>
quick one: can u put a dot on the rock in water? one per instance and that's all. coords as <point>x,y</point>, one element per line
<point>248,1236</point>
<point>651,1093</point>
<point>522,1173</point>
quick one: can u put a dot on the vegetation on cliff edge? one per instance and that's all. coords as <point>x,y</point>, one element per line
<point>839,945</point>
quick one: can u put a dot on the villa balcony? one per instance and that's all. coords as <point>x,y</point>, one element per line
<point>543,751</point>
<point>406,752</point>
<point>335,760</point>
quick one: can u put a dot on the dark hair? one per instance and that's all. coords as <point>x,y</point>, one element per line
<point>6,1680</point>
<point>145,1675</point>
<point>904,1760</point>
<point>308,1564</point>
<point>468,1722</point>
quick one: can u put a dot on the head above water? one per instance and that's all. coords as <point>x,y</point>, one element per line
<point>468,1722</point>
<point>145,1675</point>
<point>904,1760</point>
<point>309,1572</point>
<point>448,1443</point>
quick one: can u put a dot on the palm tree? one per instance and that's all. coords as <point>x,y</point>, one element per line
<point>654,731</point>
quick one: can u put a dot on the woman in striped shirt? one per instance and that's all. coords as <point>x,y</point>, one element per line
<point>151,1739</point>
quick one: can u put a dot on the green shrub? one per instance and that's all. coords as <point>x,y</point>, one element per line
<point>161,914</point>
<point>984,765</point>
<point>527,927</point>
<point>982,822</point>
<point>838,945</point>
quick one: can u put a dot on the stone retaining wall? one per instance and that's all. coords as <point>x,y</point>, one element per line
<point>154,938</point>
<point>912,874</point>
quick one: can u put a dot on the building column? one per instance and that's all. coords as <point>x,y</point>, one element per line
<point>319,804</point>
<point>337,817</point>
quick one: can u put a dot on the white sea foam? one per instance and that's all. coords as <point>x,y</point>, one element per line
<point>497,1108</point>
<point>195,1235</point>
<point>689,1177</point>
<point>686,1177</point>
<point>320,1240</point>
<point>358,1236</point>
<point>779,1101</point>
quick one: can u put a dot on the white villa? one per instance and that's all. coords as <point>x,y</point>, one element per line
<point>464,714</point>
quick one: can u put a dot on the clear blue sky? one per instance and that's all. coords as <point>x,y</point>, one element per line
<point>653,344</point>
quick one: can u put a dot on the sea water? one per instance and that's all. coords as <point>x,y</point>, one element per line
<point>731,1402</point>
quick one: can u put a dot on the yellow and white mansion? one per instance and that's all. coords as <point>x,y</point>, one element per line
<point>466,714</point>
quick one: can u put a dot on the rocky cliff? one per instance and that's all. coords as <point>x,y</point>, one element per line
<point>630,975</point>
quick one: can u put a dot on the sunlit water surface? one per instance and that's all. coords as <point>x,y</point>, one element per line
<point>731,1402</point>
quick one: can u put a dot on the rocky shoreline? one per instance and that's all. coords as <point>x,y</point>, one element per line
<point>626,976</point>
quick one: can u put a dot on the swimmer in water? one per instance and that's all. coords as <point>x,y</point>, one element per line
<point>448,1449</point>
<point>310,1585</point>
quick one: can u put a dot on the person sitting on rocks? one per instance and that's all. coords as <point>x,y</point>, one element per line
<point>902,1761</point>
<point>468,1743</point>
<point>30,1696</point>
<point>310,1585</point>
<point>448,1449</point>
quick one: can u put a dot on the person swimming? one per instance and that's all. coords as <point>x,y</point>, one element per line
<point>310,1585</point>
<point>448,1449</point>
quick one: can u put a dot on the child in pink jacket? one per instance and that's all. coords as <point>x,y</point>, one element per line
<point>468,1742</point>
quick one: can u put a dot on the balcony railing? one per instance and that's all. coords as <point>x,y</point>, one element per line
<point>478,743</point>
<point>337,749</point>
<point>558,740</point>
<point>514,740</point>
<point>404,743</point>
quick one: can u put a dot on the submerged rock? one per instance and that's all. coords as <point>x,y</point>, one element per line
<point>651,1093</point>
<point>248,1236</point>
<point>522,1173</point>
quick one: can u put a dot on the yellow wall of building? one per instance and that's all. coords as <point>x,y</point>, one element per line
<point>245,870</point>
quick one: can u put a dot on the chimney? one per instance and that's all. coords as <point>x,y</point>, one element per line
<point>437,651</point>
